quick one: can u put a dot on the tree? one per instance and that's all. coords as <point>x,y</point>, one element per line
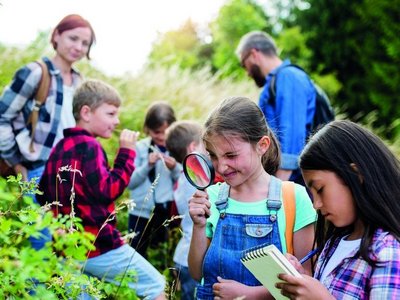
<point>187,48</point>
<point>177,47</point>
<point>193,48</point>
<point>358,40</point>
<point>13,58</point>
<point>235,19</point>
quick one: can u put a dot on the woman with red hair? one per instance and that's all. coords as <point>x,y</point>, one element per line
<point>27,150</point>
<point>72,39</point>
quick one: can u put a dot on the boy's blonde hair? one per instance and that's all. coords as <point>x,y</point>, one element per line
<point>179,136</point>
<point>93,93</point>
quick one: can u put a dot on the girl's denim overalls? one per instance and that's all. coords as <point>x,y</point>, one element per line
<point>236,233</point>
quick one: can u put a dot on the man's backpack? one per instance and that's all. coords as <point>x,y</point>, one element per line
<point>40,98</point>
<point>324,112</point>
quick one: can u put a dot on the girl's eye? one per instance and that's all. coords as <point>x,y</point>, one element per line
<point>231,155</point>
<point>319,190</point>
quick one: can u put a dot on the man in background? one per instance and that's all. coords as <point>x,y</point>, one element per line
<point>290,112</point>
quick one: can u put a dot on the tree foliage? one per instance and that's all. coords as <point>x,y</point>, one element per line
<point>180,47</point>
<point>189,45</point>
<point>13,58</point>
<point>358,41</point>
<point>235,18</point>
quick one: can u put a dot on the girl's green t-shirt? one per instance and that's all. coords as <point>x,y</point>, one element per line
<point>305,213</point>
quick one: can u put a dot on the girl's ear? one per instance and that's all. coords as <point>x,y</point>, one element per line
<point>354,167</point>
<point>263,145</point>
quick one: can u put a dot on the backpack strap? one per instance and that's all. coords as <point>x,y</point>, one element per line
<point>39,98</point>
<point>272,82</point>
<point>289,204</point>
<point>272,89</point>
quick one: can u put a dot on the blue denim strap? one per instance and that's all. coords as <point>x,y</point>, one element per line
<point>274,202</point>
<point>222,202</point>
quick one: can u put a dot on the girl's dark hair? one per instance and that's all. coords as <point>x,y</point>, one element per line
<point>71,22</point>
<point>239,116</point>
<point>374,179</point>
<point>158,113</point>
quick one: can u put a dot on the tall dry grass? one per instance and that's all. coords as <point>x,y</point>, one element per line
<point>192,94</point>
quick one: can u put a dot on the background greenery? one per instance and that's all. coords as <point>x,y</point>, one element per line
<point>351,48</point>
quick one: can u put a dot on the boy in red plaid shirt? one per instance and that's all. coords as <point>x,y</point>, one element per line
<point>78,164</point>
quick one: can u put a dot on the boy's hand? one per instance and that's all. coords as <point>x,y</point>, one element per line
<point>153,157</point>
<point>170,162</point>
<point>128,138</point>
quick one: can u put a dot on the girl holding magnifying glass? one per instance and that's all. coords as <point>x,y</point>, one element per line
<point>245,152</point>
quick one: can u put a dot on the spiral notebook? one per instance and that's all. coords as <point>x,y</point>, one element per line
<point>265,264</point>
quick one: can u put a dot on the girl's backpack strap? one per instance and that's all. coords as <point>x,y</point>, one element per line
<point>289,204</point>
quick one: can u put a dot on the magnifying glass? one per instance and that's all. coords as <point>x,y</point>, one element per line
<point>198,170</point>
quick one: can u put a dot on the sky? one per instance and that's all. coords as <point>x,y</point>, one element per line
<point>125,29</point>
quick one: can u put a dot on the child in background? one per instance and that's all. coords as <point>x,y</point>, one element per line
<point>152,161</point>
<point>354,180</point>
<point>184,137</point>
<point>244,151</point>
<point>78,165</point>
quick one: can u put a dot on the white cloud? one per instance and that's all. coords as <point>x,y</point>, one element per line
<point>124,29</point>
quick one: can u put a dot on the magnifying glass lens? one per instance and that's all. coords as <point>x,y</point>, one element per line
<point>199,170</point>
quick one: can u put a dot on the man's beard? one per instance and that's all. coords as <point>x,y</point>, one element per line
<point>257,76</point>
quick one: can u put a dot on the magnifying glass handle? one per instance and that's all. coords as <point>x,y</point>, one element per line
<point>206,214</point>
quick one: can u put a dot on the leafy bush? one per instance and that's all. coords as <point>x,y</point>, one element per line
<point>53,272</point>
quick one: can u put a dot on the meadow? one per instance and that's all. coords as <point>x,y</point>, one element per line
<point>192,94</point>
